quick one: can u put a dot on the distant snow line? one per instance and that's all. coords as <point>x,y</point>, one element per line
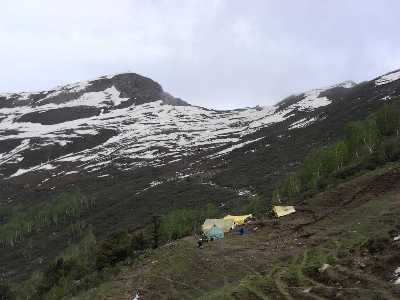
<point>385,79</point>
<point>71,87</point>
<point>144,126</point>
<point>204,118</point>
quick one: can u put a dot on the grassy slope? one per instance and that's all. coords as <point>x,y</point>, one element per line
<point>350,227</point>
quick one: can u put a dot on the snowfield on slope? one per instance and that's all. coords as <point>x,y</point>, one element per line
<point>388,78</point>
<point>152,133</point>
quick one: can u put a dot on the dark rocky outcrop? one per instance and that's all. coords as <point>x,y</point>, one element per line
<point>60,115</point>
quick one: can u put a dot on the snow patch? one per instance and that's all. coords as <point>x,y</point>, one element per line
<point>302,123</point>
<point>346,84</point>
<point>244,192</point>
<point>35,168</point>
<point>74,87</point>
<point>13,155</point>
<point>155,183</point>
<point>62,143</point>
<point>312,100</point>
<point>234,147</point>
<point>396,276</point>
<point>104,175</point>
<point>86,131</point>
<point>388,78</point>
<point>97,99</point>
<point>71,172</point>
<point>135,297</point>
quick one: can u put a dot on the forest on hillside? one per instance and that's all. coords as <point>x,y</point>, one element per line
<point>366,145</point>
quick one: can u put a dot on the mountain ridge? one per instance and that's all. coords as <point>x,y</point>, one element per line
<point>133,116</point>
<point>129,85</point>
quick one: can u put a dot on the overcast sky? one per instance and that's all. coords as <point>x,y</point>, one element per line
<point>213,53</point>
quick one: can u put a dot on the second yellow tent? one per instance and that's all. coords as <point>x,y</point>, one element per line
<point>239,220</point>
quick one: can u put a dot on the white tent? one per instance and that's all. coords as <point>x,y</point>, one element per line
<point>225,225</point>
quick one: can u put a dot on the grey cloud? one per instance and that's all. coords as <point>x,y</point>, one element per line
<point>214,53</point>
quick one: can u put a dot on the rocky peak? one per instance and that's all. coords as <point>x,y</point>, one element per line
<point>131,88</point>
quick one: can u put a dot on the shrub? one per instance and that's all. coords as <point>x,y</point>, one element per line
<point>138,242</point>
<point>389,150</point>
<point>181,222</point>
<point>257,204</point>
<point>5,292</point>
<point>388,120</point>
<point>113,250</point>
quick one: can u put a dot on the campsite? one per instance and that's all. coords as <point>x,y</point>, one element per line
<point>217,228</point>
<point>304,255</point>
<point>214,229</point>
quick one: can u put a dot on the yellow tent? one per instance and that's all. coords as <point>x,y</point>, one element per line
<point>225,225</point>
<point>239,220</point>
<point>281,211</point>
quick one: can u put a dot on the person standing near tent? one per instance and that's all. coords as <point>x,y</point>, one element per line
<point>200,243</point>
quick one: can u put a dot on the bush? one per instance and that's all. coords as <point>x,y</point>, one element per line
<point>389,150</point>
<point>138,242</point>
<point>182,222</point>
<point>113,250</point>
<point>5,292</point>
<point>179,223</point>
<point>388,119</point>
<point>256,205</point>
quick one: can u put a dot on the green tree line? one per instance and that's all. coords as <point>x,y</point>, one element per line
<point>91,262</point>
<point>61,210</point>
<point>366,144</point>
<point>181,222</point>
<point>82,266</point>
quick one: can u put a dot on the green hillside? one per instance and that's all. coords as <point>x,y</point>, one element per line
<point>351,228</point>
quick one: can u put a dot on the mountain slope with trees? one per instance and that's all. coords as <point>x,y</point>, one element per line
<point>218,161</point>
<point>366,145</point>
<point>341,243</point>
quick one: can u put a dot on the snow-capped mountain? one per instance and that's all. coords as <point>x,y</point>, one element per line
<point>124,122</point>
